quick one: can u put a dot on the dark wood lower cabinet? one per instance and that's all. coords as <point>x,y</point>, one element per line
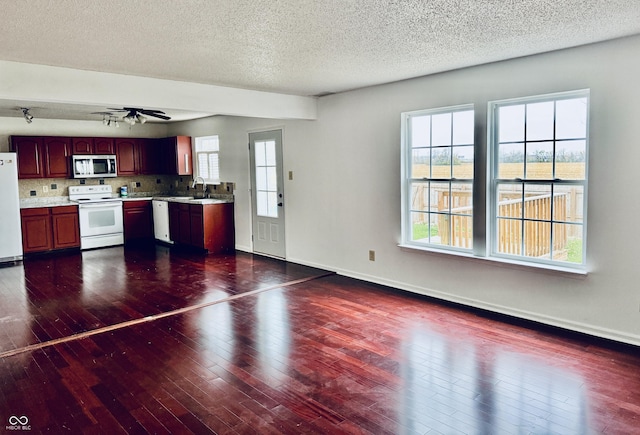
<point>138,221</point>
<point>48,228</point>
<point>209,227</point>
<point>36,230</point>
<point>65,223</point>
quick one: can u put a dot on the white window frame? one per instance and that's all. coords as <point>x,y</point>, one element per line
<point>408,179</point>
<point>203,151</point>
<point>484,189</point>
<point>493,181</point>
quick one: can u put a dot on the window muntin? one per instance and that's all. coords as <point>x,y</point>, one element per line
<point>266,178</point>
<point>539,148</point>
<point>208,159</point>
<point>438,172</point>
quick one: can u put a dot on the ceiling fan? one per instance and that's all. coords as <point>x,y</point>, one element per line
<point>135,114</point>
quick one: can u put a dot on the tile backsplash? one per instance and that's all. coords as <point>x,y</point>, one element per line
<point>141,185</point>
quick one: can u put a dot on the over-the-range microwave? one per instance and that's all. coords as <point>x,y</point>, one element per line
<point>85,166</point>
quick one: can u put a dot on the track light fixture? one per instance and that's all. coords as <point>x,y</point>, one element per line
<point>27,116</point>
<point>110,121</point>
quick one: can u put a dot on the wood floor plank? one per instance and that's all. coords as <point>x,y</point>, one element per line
<point>244,344</point>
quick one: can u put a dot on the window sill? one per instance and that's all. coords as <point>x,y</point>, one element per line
<point>524,265</point>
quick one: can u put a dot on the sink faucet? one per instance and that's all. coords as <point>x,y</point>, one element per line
<point>204,185</point>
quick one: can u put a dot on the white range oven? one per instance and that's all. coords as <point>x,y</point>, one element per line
<point>100,216</point>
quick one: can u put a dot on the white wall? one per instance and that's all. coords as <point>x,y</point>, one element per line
<point>345,196</point>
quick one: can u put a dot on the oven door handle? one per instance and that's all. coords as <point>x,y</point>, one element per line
<point>106,204</point>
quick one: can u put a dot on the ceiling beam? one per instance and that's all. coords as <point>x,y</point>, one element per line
<point>30,82</point>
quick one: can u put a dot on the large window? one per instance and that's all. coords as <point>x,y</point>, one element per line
<point>438,178</point>
<point>207,159</point>
<point>538,178</point>
<point>532,171</point>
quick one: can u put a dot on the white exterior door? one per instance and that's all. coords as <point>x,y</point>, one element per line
<point>267,193</point>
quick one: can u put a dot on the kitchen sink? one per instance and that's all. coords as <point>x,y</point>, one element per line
<point>205,201</point>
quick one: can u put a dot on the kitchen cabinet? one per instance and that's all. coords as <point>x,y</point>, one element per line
<point>57,151</point>
<point>66,227</point>
<point>127,156</point>
<point>178,155</point>
<point>82,145</point>
<point>29,151</point>
<point>138,156</point>
<point>104,145</point>
<point>49,228</point>
<point>150,153</point>
<point>50,156</point>
<point>93,145</point>
<point>138,220</point>
<point>36,230</point>
<point>209,227</point>
<point>42,157</point>
<point>180,223</point>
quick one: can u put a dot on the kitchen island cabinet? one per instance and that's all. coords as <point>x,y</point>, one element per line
<point>209,227</point>
<point>50,228</point>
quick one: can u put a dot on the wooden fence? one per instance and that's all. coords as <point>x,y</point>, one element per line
<point>456,230</point>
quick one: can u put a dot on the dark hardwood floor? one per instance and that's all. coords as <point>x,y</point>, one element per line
<point>155,341</point>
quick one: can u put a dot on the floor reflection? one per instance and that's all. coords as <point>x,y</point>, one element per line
<point>461,387</point>
<point>273,335</point>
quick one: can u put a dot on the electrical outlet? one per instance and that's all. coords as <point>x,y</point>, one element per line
<point>372,255</point>
<point>45,189</point>
<point>290,175</point>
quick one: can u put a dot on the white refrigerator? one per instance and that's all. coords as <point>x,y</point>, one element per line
<point>10,228</point>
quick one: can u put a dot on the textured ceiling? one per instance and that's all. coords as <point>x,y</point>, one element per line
<point>300,47</point>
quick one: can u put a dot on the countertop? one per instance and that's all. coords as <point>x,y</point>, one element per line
<point>56,201</point>
<point>52,201</point>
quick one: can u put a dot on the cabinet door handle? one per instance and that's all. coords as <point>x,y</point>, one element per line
<point>186,163</point>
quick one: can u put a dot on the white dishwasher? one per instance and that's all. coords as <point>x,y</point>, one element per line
<point>161,220</point>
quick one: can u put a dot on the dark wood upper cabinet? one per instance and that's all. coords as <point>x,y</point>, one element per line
<point>30,156</point>
<point>104,145</point>
<point>50,156</point>
<point>82,145</point>
<point>127,156</point>
<point>57,151</point>
<point>150,153</point>
<point>179,160</point>
<point>42,157</point>
<point>93,145</point>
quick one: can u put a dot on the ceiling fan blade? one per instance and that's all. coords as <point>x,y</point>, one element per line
<point>133,111</point>
<point>166,118</point>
